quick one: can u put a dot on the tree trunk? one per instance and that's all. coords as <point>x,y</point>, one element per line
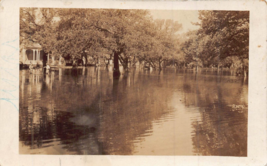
<point>141,65</point>
<point>125,65</point>
<point>245,73</point>
<point>163,64</point>
<point>177,65</point>
<point>160,66</point>
<point>116,71</point>
<point>244,68</point>
<point>53,59</point>
<point>44,62</point>
<point>107,63</point>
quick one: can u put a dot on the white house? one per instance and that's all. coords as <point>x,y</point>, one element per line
<point>32,53</point>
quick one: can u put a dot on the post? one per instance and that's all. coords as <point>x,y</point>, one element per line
<point>39,55</point>
<point>60,74</point>
<point>59,61</point>
<point>53,59</point>
<point>33,54</point>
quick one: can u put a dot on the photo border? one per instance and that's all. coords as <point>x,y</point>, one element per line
<point>9,76</point>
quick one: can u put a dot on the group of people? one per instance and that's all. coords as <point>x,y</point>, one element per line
<point>47,67</point>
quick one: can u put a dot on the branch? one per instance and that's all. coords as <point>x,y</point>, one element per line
<point>151,63</point>
<point>102,29</point>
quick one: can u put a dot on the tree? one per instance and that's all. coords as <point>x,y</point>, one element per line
<point>115,32</point>
<point>192,49</point>
<point>34,20</point>
<point>123,33</point>
<point>126,35</point>
<point>159,42</point>
<point>226,33</point>
<point>222,34</point>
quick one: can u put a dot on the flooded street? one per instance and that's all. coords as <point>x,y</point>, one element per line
<point>177,112</point>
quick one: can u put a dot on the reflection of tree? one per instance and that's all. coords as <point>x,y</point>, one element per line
<point>204,90</point>
<point>49,120</point>
<point>39,129</point>
<point>96,114</point>
<point>221,135</point>
<point>221,131</point>
<point>129,115</point>
<point>70,112</point>
<point>35,127</point>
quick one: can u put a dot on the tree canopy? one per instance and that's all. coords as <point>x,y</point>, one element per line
<point>131,35</point>
<point>222,34</point>
<point>122,33</point>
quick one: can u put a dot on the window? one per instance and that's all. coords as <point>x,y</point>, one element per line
<point>29,54</point>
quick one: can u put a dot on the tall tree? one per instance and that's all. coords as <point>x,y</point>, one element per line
<point>33,20</point>
<point>123,34</point>
<point>226,33</point>
<point>222,34</point>
<point>159,42</point>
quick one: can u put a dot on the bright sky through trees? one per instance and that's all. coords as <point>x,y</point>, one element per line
<point>184,17</point>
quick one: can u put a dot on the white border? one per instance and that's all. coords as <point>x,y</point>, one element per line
<point>9,45</point>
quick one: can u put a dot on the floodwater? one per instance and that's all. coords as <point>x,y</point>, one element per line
<point>176,112</point>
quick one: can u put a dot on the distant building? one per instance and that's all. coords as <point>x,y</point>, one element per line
<point>32,53</point>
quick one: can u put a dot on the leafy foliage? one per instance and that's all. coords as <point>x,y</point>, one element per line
<point>222,34</point>
<point>132,35</point>
<point>129,34</point>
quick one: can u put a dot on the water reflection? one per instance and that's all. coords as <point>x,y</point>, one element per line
<point>175,112</point>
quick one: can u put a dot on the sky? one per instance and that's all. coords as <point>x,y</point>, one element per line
<point>184,17</point>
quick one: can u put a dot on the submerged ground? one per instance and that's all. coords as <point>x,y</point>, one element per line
<point>175,112</point>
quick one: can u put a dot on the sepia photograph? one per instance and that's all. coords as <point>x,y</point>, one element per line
<point>133,82</point>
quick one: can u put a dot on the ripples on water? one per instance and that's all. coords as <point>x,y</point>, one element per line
<point>176,112</point>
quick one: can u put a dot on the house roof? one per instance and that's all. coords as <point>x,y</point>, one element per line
<point>33,46</point>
